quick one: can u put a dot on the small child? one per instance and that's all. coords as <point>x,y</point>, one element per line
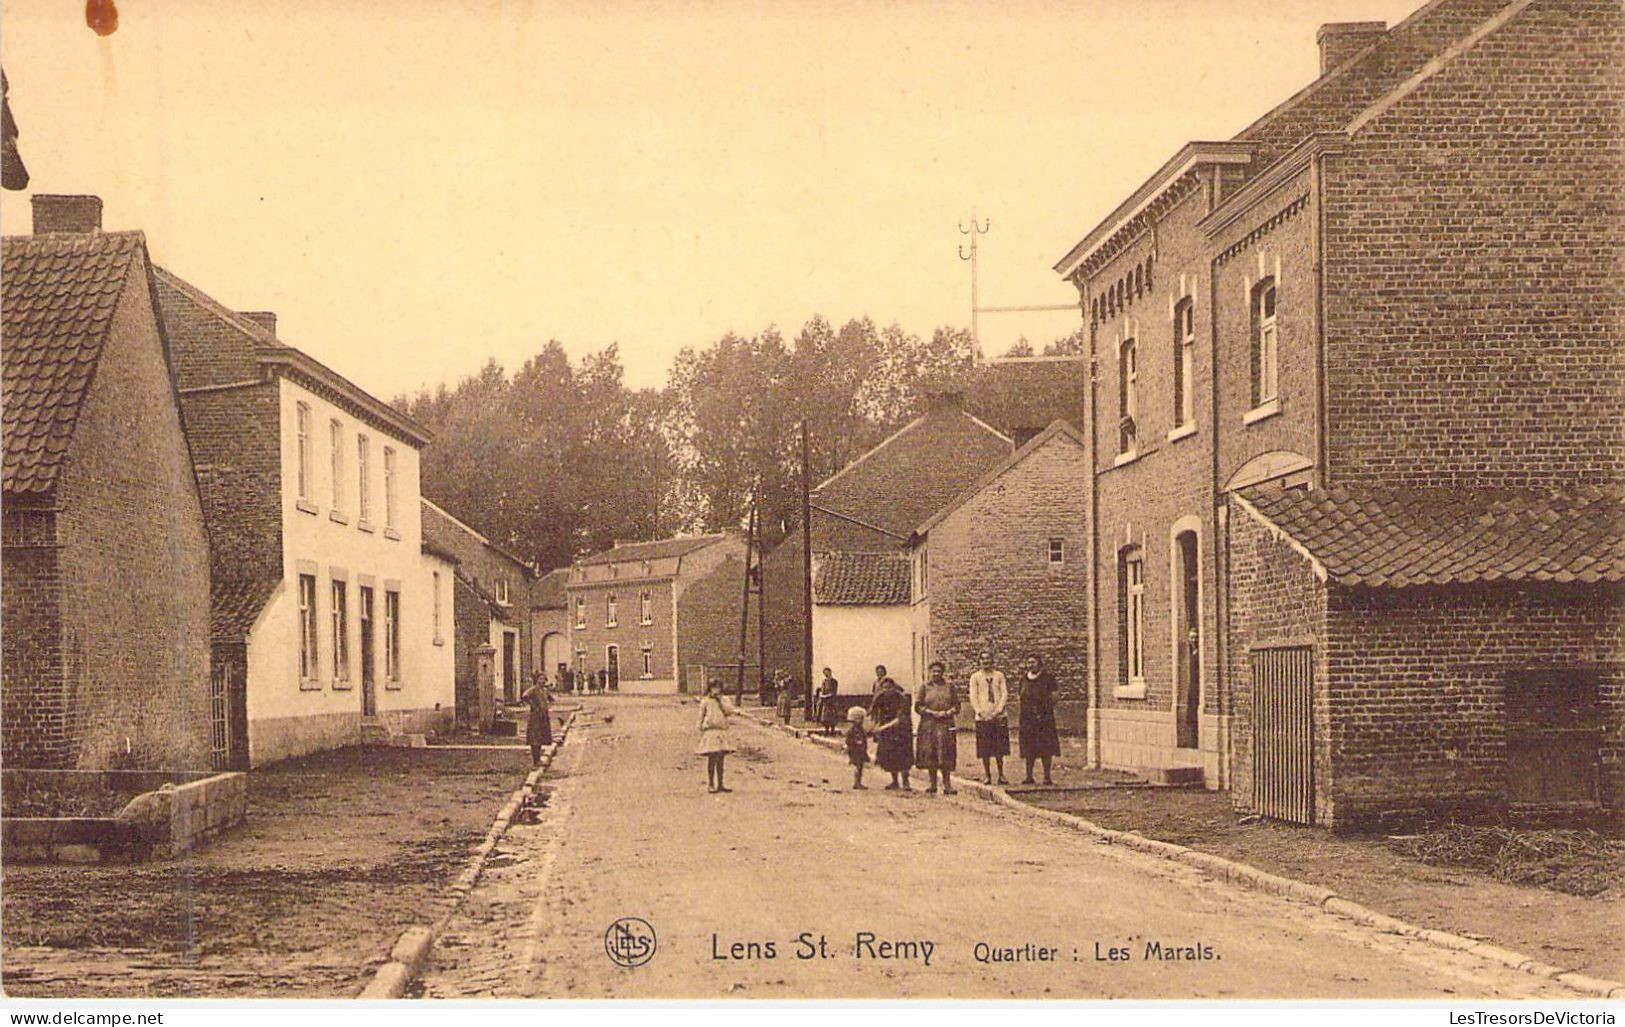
<point>857,745</point>
<point>786,701</point>
<point>715,743</point>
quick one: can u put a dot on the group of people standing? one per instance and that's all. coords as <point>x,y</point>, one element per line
<point>933,746</point>
<point>917,732</point>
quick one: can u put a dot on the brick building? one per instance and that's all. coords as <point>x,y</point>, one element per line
<point>492,605</point>
<point>1403,278</point>
<point>328,619</point>
<point>658,615</point>
<point>106,563</point>
<point>550,624</point>
<point>1004,568</point>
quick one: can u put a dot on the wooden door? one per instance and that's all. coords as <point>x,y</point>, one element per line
<point>1188,647</point>
<point>369,693</point>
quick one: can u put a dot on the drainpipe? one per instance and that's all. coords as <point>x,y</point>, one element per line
<point>1092,719</point>
<point>1323,471</point>
<point>1221,536</point>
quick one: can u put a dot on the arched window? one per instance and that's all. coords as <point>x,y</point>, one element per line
<point>1184,362</point>
<point>1131,617</point>
<point>1266,344</point>
<point>1127,397</point>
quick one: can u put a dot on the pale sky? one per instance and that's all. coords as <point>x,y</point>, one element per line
<point>416,186</point>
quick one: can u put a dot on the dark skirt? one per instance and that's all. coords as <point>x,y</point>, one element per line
<point>894,749</point>
<point>936,748</point>
<point>1039,737</point>
<point>539,728</point>
<point>992,738</point>
<point>829,711</point>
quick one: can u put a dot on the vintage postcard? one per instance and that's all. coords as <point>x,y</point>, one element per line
<point>1057,499</point>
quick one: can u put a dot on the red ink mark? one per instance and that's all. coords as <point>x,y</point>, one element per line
<point>101,16</point>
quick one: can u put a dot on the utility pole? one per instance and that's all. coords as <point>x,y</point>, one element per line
<point>806,572</point>
<point>744,606</point>
<point>975,308</point>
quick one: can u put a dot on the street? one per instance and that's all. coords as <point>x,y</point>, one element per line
<point>794,886</point>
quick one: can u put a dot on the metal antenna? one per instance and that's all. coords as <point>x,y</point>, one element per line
<point>973,231</point>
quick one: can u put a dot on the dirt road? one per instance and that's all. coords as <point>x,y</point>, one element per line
<point>886,894</point>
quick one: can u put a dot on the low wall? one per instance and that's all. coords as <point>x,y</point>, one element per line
<point>172,818</point>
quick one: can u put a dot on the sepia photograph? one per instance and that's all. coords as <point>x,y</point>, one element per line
<point>715,500</point>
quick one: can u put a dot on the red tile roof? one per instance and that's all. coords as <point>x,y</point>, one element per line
<point>909,476</point>
<point>861,579</point>
<point>1453,536</point>
<point>59,295</point>
<point>659,550</point>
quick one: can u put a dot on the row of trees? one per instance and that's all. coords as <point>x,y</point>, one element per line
<point>559,459</point>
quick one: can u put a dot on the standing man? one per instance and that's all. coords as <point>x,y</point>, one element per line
<point>989,695</point>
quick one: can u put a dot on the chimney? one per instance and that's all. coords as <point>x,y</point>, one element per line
<point>266,319</point>
<point>1341,40</point>
<point>54,213</point>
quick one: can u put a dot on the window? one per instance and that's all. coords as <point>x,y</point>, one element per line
<point>1057,550</point>
<point>646,568</point>
<point>302,426</point>
<point>646,608</point>
<point>614,570</point>
<point>648,661</point>
<point>392,636</point>
<point>581,612</point>
<point>1184,363</point>
<point>341,633</point>
<point>307,627</point>
<point>436,583</point>
<point>1266,343</point>
<point>389,487</point>
<point>363,472</point>
<point>502,591</point>
<point>922,573</point>
<point>609,611</point>
<point>1128,403</point>
<point>335,433</point>
<point>1131,617</point>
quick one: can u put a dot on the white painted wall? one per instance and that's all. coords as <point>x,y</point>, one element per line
<point>851,640</point>
<point>336,543</point>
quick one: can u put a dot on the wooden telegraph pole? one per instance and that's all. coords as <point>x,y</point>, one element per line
<point>744,606</point>
<point>806,573</point>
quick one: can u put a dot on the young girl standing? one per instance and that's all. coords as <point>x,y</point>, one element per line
<point>715,744</point>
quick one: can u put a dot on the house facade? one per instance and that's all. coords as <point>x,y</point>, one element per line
<point>1336,307</point>
<point>1004,568</point>
<point>550,624</point>
<point>492,609</point>
<point>106,560</point>
<point>659,617</point>
<point>324,604</point>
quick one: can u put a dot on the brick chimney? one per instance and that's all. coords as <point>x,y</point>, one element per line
<point>53,213</point>
<point>266,319</point>
<point>1341,40</point>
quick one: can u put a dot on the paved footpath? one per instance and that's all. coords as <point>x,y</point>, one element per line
<point>631,831</point>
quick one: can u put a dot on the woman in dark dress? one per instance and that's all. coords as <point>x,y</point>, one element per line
<point>893,715</point>
<point>829,712</point>
<point>1039,739</point>
<point>539,723</point>
<point>936,750</point>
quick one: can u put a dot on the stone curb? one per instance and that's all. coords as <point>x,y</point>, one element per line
<point>1245,876</point>
<point>412,948</point>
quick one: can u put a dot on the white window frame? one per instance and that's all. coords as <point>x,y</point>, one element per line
<point>1185,371</point>
<point>435,582</point>
<point>610,614</point>
<point>309,654</point>
<point>1268,343</point>
<point>502,592</point>
<point>389,486</point>
<point>363,470</point>
<point>648,653</point>
<point>335,434</point>
<point>340,597</point>
<point>646,607</point>
<point>392,634</point>
<point>1128,398</point>
<point>1131,571</point>
<point>1056,551</point>
<point>581,611</point>
<point>301,418</point>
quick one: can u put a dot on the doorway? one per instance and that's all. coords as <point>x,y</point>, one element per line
<point>1187,642</point>
<point>369,694</point>
<point>612,663</point>
<point>510,671</point>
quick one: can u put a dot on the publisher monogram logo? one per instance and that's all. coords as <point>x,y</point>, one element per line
<point>630,941</point>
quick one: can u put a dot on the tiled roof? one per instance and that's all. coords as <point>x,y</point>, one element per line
<point>1453,536</point>
<point>59,295</point>
<point>235,605</point>
<point>861,579</point>
<point>1022,396</point>
<point>662,549</point>
<point>548,592</point>
<point>911,475</point>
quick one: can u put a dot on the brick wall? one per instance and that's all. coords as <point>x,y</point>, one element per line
<point>134,562</point>
<point>708,623</point>
<point>1275,600</point>
<point>472,629</point>
<point>786,608</point>
<point>234,440</point>
<point>991,584</point>
<point>1475,231</point>
<point>36,701</point>
<point>487,567</point>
